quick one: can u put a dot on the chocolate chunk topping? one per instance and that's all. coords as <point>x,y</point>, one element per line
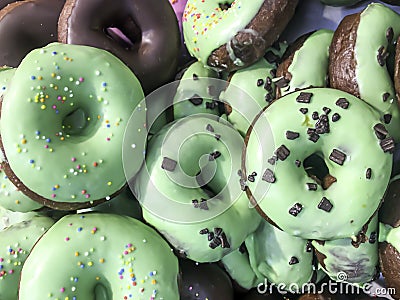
<point>218,239</point>
<point>342,103</point>
<point>251,177</point>
<point>291,135</point>
<point>304,97</point>
<point>315,115</point>
<point>271,57</point>
<point>368,173</point>
<point>387,145</point>
<point>387,118</point>
<point>337,156</point>
<point>273,72</point>
<point>202,204</point>
<point>389,35</point>
<point>385,96</point>
<point>322,125</point>
<point>314,137</point>
<point>326,110</point>
<point>204,231</point>
<point>209,128</point>
<point>312,186</point>
<point>260,82</point>
<point>168,164</point>
<point>303,110</point>
<point>195,77</point>
<point>297,163</point>
<point>210,236</point>
<point>372,237</point>
<point>269,176</point>
<point>268,97</point>
<point>382,55</point>
<point>214,155</point>
<point>293,260</point>
<point>282,82</point>
<point>268,84</point>
<point>282,152</point>
<point>380,131</point>
<point>335,117</point>
<point>272,160</point>
<point>196,100</point>
<point>325,204</point>
<point>211,105</point>
<point>295,209</point>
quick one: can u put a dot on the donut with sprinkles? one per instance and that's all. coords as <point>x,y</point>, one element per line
<point>66,150</point>
<point>304,169</point>
<point>115,256</point>
<point>229,35</point>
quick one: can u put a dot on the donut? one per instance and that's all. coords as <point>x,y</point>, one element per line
<point>233,34</point>
<point>347,261</point>
<point>204,281</point>
<point>22,31</point>
<point>9,217</point>
<point>16,243</point>
<point>65,153</point>
<point>104,254</point>
<point>313,129</point>
<point>154,44</point>
<point>360,46</point>
<point>191,195</point>
<point>305,63</point>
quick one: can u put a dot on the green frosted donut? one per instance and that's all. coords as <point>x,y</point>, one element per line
<point>8,217</point>
<point>344,260</point>
<point>189,188</point>
<point>307,64</point>
<point>360,48</point>
<point>65,151</point>
<point>16,243</point>
<point>84,256</point>
<point>317,163</point>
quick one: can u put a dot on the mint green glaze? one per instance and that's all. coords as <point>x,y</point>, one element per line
<point>374,80</point>
<point>16,243</point>
<point>166,196</point>
<point>115,255</point>
<point>6,75</point>
<point>206,26</point>
<point>75,102</point>
<point>390,235</point>
<point>188,87</point>
<point>309,67</point>
<point>352,134</point>
<point>271,250</point>
<point>245,97</point>
<point>8,217</point>
<point>359,264</point>
<point>238,266</point>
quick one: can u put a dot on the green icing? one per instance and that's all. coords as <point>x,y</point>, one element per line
<point>167,194</point>
<point>6,74</point>
<point>324,213</point>
<point>8,217</point>
<point>390,235</point>
<point>309,67</point>
<point>373,79</point>
<point>75,107</point>
<point>16,243</point>
<point>206,26</point>
<point>358,263</point>
<point>114,256</point>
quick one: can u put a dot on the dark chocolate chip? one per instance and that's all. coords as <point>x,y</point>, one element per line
<point>314,137</point>
<point>204,231</point>
<point>214,155</point>
<point>380,131</point>
<point>325,204</point>
<point>271,57</point>
<point>315,115</point>
<point>312,186</point>
<point>210,236</point>
<point>272,160</point>
<point>337,156</point>
<point>295,209</point>
<point>251,177</point>
<point>293,260</point>
<point>224,241</point>
<point>382,55</point>
<point>368,173</point>
<point>217,230</point>
<point>309,246</point>
<point>303,110</point>
<point>195,77</point>
<point>268,84</point>
<point>389,35</point>
<point>291,135</point>
<point>335,117</point>
<point>326,110</point>
<point>304,97</point>
<point>322,125</point>
<point>297,163</point>
<point>196,100</point>
<point>282,152</point>
<point>209,128</point>
<point>202,204</point>
<point>373,237</point>
<point>260,82</point>
<point>282,82</point>
<point>387,118</point>
<point>385,96</point>
<point>387,145</point>
<point>269,176</point>
<point>168,164</point>
<point>342,103</point>
<point>269,97</point>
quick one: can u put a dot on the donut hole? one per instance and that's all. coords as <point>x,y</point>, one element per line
<point>127,33</point>
<point>102,291</point>
<point>77,123</point>
<point>316,168</point>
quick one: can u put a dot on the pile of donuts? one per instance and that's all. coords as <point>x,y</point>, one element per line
<point>184,149</point>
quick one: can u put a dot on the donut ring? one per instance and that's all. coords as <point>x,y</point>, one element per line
<point>22,31</point>
<point>233,34</point>
<point>113,255</point>
<point>373,32</point>
<point>317,123</point>
<point>66,151</point>
<point>153,50</point>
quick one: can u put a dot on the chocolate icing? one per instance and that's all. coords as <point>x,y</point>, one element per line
<point>21,30</point>
<point>389,211</point>
<point>153,45</point>
<point>389,259</point>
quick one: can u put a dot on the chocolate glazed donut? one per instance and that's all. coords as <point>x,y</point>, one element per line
<point>149,43</point>
<point>26,25</point>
